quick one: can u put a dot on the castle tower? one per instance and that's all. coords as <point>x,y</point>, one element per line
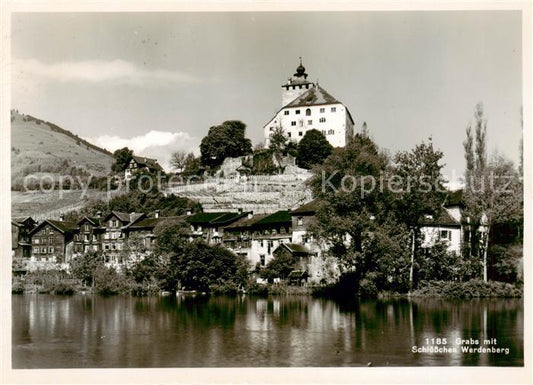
<point>295,86</point>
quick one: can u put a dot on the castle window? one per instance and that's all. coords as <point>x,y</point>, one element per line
<point>43,250</point>
<point>289,134</point>
<point>446,234</point>
<point>333,109</point>
<point>300,221</point>
<point>36,250</point>
<point>271,128</point>
<point>300,86</point>
<point>331,132</point>
<point>300,133</point>
<point>50,250</point>
<point>307,86</point>
<point>309,122</point>
<point>262,259</point>
<point>322,120</point>
<point>308,112</point>
<point>286,112</point>
<point>36,241</point>
<point>297,112</point>
<point>322,110</point>
<point>293,123</point>
<point>323,132</point>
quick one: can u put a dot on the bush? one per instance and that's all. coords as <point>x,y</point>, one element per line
<point>469,289</point>
<point>367,286</point>
<point>62,288</point>
<point>257,289</point>
<point>226,288</point>
<point>17,289</point>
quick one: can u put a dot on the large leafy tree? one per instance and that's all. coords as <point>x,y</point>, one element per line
<point>313,149</point>
<point>223,141</point>
<point>122,159</point>
<point>418,189</point>
<point>350,201</point>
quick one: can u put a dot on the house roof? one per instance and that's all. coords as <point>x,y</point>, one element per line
<point>150,223</point>
<point>308,208</point>
<point>295,248</point>
<point>61,226</point>
<point>94,221</point>
<point>444,219</point>
<point>298,274</point>
<point>216,218</point>
<point>279,217</point>
<point>454,198</point>
<point>125,218</point>
<point>244,223</point>
<point>147,162</point>
<point>23,221</point>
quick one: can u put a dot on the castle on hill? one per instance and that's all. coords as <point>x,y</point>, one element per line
<point>307,106</point>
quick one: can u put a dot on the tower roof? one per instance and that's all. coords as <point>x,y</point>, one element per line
<point>300,70</point>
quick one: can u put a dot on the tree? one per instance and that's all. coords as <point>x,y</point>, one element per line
<point>350,202</point>
<point>122,159</point>
<point>223,141</point>
<point>278,140</point>
<point>178,160</point>
<point>86,266</point>
<point>279,267</point>
<point>493,190</point>
<point>419,189</point>
<point>313,149</point>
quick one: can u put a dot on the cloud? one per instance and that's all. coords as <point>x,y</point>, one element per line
<point>153,144</point>
<point>99,71</point>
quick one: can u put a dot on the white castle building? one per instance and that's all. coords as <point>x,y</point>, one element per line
<point>307,106</point>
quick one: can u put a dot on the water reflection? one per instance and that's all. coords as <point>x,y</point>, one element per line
<point>91,331</point>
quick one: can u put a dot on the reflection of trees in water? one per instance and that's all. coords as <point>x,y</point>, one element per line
<point>94,331</point>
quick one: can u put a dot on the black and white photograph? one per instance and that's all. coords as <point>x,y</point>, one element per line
<point>270,188</point>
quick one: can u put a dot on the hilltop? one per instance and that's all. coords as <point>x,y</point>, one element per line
<point>41,148</point>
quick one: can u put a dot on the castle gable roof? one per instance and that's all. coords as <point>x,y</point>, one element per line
<point>313,97</point>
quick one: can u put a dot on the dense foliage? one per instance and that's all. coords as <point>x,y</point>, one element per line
<point>313,149</point>
<point>224,141</point>
<point>123,157</point>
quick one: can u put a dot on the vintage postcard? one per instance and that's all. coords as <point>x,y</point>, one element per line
<point>266,192</point>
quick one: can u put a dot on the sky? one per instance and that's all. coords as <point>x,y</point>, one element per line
<point>156,82</point>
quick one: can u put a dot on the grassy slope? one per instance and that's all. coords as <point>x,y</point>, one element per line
<point>36,149</point>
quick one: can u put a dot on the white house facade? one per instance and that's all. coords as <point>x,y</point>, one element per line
<point>307,106</point>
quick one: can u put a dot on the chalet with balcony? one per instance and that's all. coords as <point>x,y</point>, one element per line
<point>114,234</point>
<point>140,234</point>
<point>267,234</point>
<point>20,237</point>
<point>52,242</point>
<point>210,226</point>
<point>138,163</point>
<point>90,235</point>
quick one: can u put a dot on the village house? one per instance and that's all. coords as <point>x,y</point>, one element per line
<point>20,237</point>
<point>114,236</point>
<point>267,234</point>
<point>210,226</point>
<point>306,106</point>
<point>140,234</point>
<point>52,243</point>
<point>138,163</point>
<point>21,243</point>
<point>89,236</point>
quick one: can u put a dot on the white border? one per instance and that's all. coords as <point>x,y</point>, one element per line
<point>441,375</point>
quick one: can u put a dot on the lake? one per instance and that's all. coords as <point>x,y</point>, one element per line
<point>86,331</point>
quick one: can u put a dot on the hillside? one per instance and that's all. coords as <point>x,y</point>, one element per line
<point>42,148</point>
